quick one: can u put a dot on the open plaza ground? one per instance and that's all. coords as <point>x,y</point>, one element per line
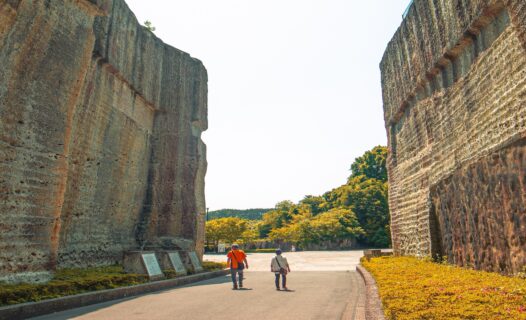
<point>323,285</point>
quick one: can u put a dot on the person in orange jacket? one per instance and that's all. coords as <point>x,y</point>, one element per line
<point>237,260</point>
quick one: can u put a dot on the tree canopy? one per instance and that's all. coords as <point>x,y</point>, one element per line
<point>357,210</point>
<point>371,164</point>
<point>250,214</point>
<point>228,230</point>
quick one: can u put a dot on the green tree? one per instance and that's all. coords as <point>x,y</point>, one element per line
<point>228,230</point>
<point>371,164</point>
<point>280,216</point>
<point>283,234</point>
<point>368,199</point>
<point>357,210</point>
<point>315,204</point>
<point>365,193</point>
<point>334,225</point>
<point>214,234</point>
<point>250,234</point>
<point>249,214</point>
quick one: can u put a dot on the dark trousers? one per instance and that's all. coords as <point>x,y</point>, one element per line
<point>283,280</point>
<point>233,273</point>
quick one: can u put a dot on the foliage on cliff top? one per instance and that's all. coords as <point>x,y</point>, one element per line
<point>412,288</point>
<point>68,282</point>
<point>149,25</point>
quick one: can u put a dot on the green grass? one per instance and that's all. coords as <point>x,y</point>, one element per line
<point>68,282</point>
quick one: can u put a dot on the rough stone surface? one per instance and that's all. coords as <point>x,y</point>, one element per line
<point>454,89</point>
<point>100,137</point>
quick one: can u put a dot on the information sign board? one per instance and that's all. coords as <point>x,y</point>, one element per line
<point>177,263</point>
<point>195,261</point>
<point>151,264</point>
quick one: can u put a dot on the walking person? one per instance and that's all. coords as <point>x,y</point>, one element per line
<point>280,266</point>
<point>237,260</point>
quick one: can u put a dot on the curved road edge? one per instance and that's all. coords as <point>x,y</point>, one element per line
<point>373,304</point>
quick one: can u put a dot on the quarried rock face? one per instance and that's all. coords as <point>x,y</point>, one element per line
<point>100,137</point>
<point>454,89</point>
<point>481,211</point>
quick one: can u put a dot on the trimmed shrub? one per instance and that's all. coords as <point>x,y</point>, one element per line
<point>214,266</point>
<point>412,288</point>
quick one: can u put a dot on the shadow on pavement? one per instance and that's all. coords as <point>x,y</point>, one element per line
<point>217,280</point>
<point>68,314</point>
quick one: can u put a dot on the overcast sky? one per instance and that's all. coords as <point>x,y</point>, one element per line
<point>294,89</point>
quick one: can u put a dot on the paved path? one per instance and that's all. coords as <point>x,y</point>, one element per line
<point>323,285</point>
<point>303,261</point>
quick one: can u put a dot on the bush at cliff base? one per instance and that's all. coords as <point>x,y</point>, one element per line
<point>214,266</point>
<point>74,281</point>
<point>412,288</point>
<point>68,282</point>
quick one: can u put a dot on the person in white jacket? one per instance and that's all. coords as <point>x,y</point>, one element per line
<point>280,266</point>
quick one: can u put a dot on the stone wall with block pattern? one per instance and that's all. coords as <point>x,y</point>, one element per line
<point>454,90</point>
<point>100,137</point>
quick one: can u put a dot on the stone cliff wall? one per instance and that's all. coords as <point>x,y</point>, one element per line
<point>100,137</point>
<point>454,90</point>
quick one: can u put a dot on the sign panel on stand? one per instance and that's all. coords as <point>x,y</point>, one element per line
<point>196,264</point>
<point>177,263</point>
<point>151,264</point>
<point>142,262</point>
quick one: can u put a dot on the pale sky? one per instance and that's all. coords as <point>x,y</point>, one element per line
<point>294,89</point>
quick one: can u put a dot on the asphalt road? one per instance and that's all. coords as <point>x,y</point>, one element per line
<point>323,285</point>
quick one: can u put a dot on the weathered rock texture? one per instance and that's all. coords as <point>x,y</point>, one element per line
<point>454,89</point>
<point>100,137</point>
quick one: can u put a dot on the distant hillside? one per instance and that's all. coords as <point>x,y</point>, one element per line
<point>250,214</point>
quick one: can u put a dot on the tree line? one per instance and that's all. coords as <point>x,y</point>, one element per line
<point>357,210</point>
<point>250,214</point>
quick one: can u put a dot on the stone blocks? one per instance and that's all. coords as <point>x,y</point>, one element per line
<point>100,137</point>
<point>454,89</point>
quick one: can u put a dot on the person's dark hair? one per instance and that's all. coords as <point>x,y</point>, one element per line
<point>278,251</point>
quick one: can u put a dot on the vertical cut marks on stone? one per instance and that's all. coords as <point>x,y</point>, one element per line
<point>454,91</point>
<point>99,119</point>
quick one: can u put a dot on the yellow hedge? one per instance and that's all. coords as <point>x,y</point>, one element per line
<point>412,288</point>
